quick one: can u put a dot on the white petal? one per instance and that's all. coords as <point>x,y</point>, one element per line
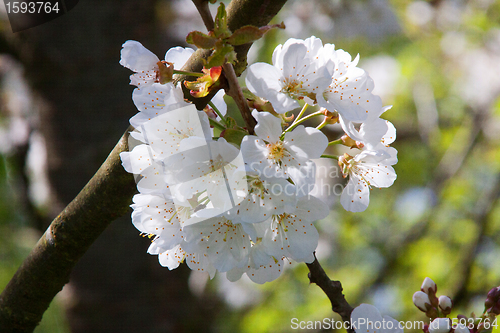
<point>302,239</point>
<point>199,262</point>
<point>235,274</point>
<point>355,196</point>
<point>306,142</point>
<point>303,176</point>
<point>364,314</point>
<point>219,102</point>
<point>254,152</point>
<point>138,160</point>
<point>264,81</point>
<point>379,175</point>
<point>151,99</point>
<point>266,273</point>
<point>373,131</point>
<point>136,57</point>
<point>172,258</point>
<point>395,325</point>
<point>312,208</point>
<point>390,135</point>
<point>268,126</point>
<point>261,78</point>
<point>152,180</point>
<point>179,56</point>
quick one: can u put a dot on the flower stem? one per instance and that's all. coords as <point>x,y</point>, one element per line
<point>216,124</point>
<point>323,124</point>
<point>237,94</point>
<point>298,121</point>
<point>188,73</point>
<point>212,105</point>
<point>335,142</point>
<point>301,113</point>
<point>330,156</point>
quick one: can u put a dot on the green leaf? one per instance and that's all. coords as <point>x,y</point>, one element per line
<point>245,35</point>
<point>231,56</point>
<point>221,30</point>
<point>250,33</point>
<point>218,58</point>
<point>231,123</point>
<point>201,40</point>
<point>234,135</point>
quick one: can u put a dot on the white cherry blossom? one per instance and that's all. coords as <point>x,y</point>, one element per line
<point>154,100</point>
<point>264,197</point>
<point>154,215</point>
<point>350,90</point>
<point>143,62</point>
<point>261,268</point>
<point>295,74</point>
<point>365,170</point>
<point>291,157</point>
<point>293,235</point>
<point>224,243</point>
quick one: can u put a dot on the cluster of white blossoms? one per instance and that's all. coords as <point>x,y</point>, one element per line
<point>247,208</point>
<point>319,74</point>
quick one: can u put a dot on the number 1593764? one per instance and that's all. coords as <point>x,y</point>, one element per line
<point>32,7</point>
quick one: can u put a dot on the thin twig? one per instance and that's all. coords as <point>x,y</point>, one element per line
<point>206,15</point>
<point>236,93</point>
<point>332,289</point>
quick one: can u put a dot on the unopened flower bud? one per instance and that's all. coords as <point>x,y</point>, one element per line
<point>347,141</point>
<point>210,113</point>
<point>427,285</point>
<point>461,328</point>
<point>440,325</point>
<point>421,301</point>
<point>492,300</point>
<point>331,117</point>
<point>445,304</point>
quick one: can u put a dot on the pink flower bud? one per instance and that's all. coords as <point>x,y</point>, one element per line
<point>420,299</point>
<point>492,299</point>
<point>445,304</point>
<point>440,325</point>
<point>427,285</point>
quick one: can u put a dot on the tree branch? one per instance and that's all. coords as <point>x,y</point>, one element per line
<point>237,94</point>
<point>47,268</point>
<point>332,289</point>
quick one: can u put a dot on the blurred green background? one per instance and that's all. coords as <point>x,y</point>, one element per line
<point>438,63</point>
